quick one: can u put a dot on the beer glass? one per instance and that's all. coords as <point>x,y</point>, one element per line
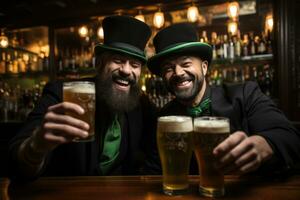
<point>175,145</point>
<point>208,133</point>
<point>83,94</point>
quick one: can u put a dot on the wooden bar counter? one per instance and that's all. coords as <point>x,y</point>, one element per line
<point>144,188</point>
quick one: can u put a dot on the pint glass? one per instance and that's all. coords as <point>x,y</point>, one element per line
<point>208,133</point>
<point>175,145</point>
<point>83,94</point>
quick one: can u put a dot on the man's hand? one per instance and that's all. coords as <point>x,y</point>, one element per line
<point>240,154</point>
<point>59,128</point>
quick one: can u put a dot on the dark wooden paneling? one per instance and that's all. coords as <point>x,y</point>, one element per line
<point>288,44</point>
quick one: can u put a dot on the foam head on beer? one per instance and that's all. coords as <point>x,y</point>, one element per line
<point>81,87</point>
<point>208,125</point>
<point>176,124</point>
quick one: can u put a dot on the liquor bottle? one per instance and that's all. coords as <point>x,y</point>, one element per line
<point>262,45</point>
<point>225,47</point>
<point>269,43</point>
<point>231,49</point>
<point>252,48</point>
<point>9,65</point>
<point>245,45</point>
<point>3,63</point>
<point>204,37</point>
<point>220,47</point>
<point>237,45</point>
<point>213,43</point>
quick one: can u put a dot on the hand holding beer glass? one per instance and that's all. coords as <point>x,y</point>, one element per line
<point>83,94</point>
<point>175,145</point>
<point>208,133</point>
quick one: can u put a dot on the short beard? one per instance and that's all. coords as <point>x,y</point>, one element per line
<point>117,101</point>
<point>187,95</point>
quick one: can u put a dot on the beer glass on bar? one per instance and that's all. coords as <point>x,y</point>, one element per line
<point>208,133</point>
<point>175,145</point>
<point>83,94</point>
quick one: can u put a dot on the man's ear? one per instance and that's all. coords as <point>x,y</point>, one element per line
<point>204,66</point>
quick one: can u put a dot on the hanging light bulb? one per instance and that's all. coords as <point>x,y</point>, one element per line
<point>3,40</point>
<point>232,27</point>
<point>158,19</point>
<point>140,16</point>
<point>192,13</point>
<point>100,33</point>
<point>269,23</point>
<point>233,10</point>
<point>83,31</point>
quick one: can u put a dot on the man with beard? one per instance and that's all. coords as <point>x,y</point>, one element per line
<point>261,136</point>
<point>124,122</point>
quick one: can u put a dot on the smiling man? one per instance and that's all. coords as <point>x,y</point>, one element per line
<point>124,121</point>
<point>261,136</point>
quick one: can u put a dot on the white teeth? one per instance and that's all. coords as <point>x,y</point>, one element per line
<point>183,83</point>
<point>122,81</point>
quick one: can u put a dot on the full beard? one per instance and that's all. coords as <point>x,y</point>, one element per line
<point>187,94</point>
<point>118,101</point>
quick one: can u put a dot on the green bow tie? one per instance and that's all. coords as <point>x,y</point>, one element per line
<point>198,110</point>
<point>111,146</point>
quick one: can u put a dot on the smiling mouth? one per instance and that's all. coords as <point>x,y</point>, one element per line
<point>183,84</point>
<point>122,84</point>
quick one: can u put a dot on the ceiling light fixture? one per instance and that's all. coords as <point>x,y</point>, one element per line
<point>233,10</point>
<point>192,13</point>
<point>3,40</point>
<point>158,19</point>
<point>83,31</point>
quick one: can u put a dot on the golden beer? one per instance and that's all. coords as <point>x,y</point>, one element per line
<point>175,145</point>
<point>208,133</point>
<point>83,94</point>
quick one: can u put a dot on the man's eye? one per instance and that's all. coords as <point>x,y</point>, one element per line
<point>118,61</point>
<point>186,64</point>
<point>136,64</point>
<point>167,69</point>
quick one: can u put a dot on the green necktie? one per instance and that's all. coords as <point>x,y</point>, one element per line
<point>111,146</point>
<point>198,110</point>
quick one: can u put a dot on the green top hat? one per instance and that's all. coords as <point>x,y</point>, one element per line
<point>126,35</point>
<point>177,40</point>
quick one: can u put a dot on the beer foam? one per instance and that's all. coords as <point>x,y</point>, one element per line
<point>210,126</point>
<point>81,88</point>
<point>175,124</point>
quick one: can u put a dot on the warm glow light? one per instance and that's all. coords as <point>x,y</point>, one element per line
<point>192,14</point>
<point>3,41</point>
<point>143,88</point>
<point>233,10</point>
<point>100,32</point>
<point>140,17</point>
<point>83,31</point>
<point>158,19</point>
<point>232,28</point>
<point>269,23</point>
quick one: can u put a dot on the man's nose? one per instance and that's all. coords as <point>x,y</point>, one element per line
<point>125,68</point>
<point>178,70</point>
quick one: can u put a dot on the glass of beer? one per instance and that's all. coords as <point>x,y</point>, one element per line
<point>83,94</point>
<point>208,133</point>
<point>175,145</point>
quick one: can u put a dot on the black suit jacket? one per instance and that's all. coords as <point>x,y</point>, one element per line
<point>137,150</point>
<point>251,111</point>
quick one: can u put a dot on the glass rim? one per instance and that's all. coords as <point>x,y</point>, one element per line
<point>165,118</point>
<point>211,118</point>
<point>78,82</point>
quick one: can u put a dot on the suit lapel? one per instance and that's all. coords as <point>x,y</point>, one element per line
<point>222,105</point>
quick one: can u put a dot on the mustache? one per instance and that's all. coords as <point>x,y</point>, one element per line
<point>129,79</point>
